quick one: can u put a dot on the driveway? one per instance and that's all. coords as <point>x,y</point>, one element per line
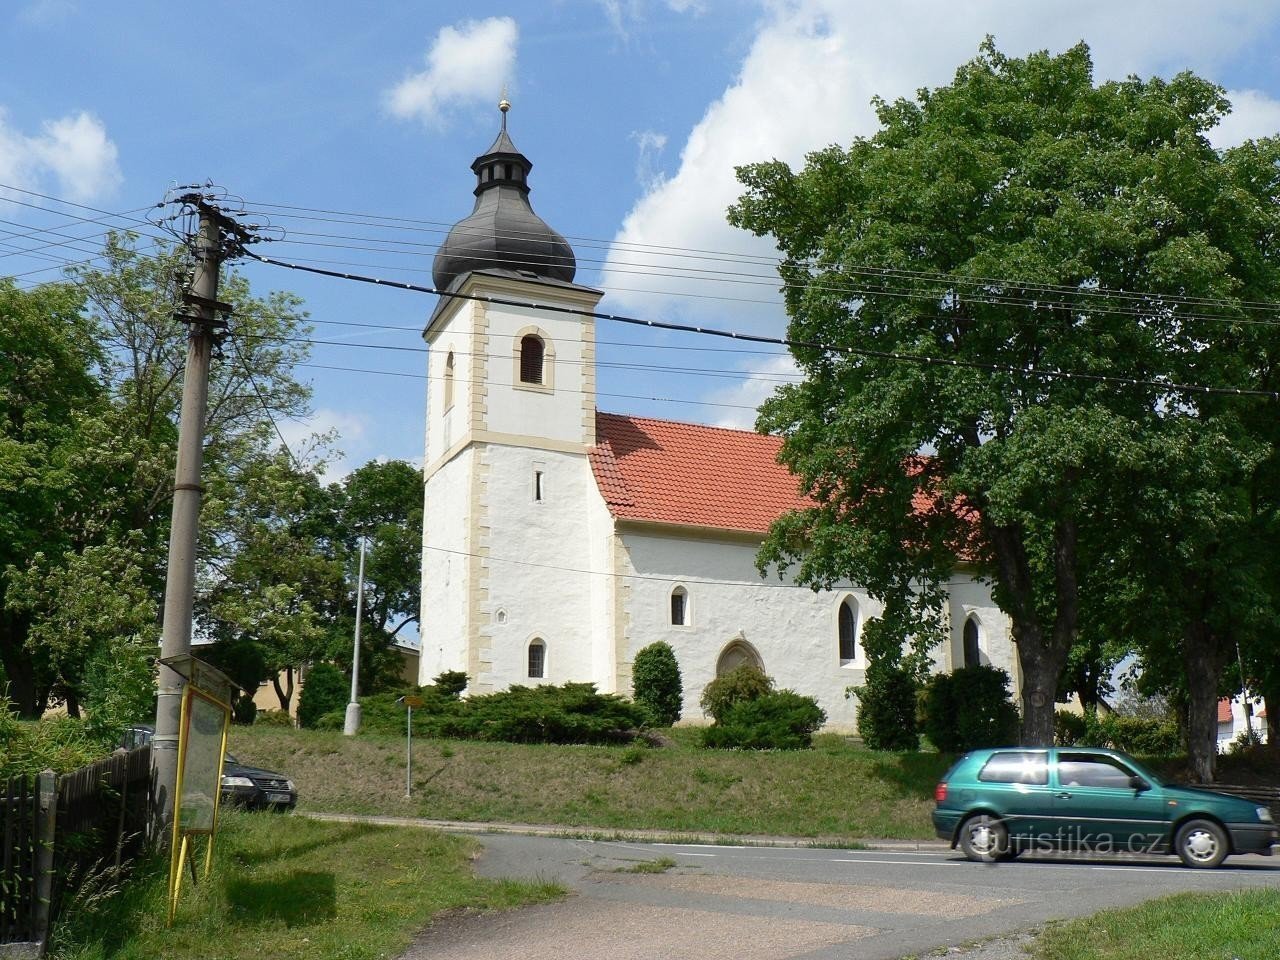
<point>769,903</point>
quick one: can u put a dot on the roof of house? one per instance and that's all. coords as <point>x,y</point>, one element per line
<point>1224,710</point>
<point>664,471</point>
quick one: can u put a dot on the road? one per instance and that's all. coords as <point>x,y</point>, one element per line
<point>774,903</point>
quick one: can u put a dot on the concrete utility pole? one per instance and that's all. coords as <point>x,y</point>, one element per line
<point>351,724</point>
<point>203,323</point>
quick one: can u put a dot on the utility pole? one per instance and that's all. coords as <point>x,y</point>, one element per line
<point>203,326</point>
<point>351,724</point>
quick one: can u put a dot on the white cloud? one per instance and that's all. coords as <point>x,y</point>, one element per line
<point>761,378</point>
<point>74,151</point>
<point>470,62</point>
<point>649,147</point>
<point>1253,115</point>
<point>807,80</point>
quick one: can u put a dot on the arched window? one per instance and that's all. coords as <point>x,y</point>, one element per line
<point>972,652</point>
<point>537,660</point>
<point>680,607</point>
<point>531,357</point>
<point>735,654</point>
<point>448,381</point>
<point>848,629</point>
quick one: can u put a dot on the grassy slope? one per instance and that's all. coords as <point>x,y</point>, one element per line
<point>834,791</point>
<point>287,887</point>
<point>1243,924</point>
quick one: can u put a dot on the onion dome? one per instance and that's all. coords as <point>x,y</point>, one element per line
<point>503,232</point>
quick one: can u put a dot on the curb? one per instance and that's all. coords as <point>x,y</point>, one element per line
<point>650,836</point>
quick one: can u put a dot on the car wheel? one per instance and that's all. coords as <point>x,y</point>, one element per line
<point>1202,843</point>
<point>983,837</point>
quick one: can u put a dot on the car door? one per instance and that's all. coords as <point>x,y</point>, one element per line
<point>1016,784</point>
<point>1097,807</point>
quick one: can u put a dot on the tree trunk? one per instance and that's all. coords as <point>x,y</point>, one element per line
<point>285,693</point>
<point>1203,657</point>
<point>18,669</point>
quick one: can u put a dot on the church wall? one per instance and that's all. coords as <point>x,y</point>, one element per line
<point>446,426</point>
<point>541,579</point>
<point>970,598</point>
<point>446,569</point>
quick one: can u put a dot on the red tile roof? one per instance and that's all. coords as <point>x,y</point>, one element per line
<point>1224,711</point>
<point>682,473</point>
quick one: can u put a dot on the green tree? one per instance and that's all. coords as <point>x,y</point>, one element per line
<point>940,276</point>
<point>655,679</point>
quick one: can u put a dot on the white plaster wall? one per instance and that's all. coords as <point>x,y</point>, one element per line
<point>554,414</point>
<point>970,597</point>
<point>541,578</point>
<point>605,629</point>
<point>794,629</point>
<point>451,333</point>
<point>445,568</point>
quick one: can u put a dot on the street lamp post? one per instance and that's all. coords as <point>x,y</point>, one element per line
<point>351,725</point>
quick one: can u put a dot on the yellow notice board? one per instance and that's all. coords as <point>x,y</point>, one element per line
<point>202,743</point>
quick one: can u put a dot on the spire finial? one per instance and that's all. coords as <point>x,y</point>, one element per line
<point>504,105</point>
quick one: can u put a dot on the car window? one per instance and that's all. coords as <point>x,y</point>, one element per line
<point>1020,766</point>
<point>1092,770</point>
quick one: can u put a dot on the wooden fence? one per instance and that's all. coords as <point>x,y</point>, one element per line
<point>62,835</point>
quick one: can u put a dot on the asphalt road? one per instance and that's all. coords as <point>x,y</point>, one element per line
<point>772,903</point>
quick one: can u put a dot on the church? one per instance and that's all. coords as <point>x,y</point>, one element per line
<point>559,540</point>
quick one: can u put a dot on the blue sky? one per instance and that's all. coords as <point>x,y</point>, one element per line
<point>634,113</point>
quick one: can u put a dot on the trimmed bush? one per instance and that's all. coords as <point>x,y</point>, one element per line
<point>1153,736</point>
<point>451,683</point>
<point>887,709</point>
<point>243,710</point>
<point>571,713</point>
<point>655,680</point>
<point>325,691</point>
<point>777,720</point>
<point>273,718</point>
<point>968,709</point>
<point>744,682</point>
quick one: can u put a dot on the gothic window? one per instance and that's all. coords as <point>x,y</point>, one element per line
<point>531,359</point>
<point>448,381</point>
<point>539,485</point>
<point>537,660</point>
<point>680,607</point>
<point>848,632</point>
<point>972,652</point>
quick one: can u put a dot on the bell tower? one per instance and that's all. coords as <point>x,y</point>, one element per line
<point>510,417</point>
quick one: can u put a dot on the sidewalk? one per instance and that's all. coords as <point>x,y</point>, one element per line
<point>648,836</point>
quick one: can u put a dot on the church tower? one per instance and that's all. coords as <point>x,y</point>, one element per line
<point>506,592</point>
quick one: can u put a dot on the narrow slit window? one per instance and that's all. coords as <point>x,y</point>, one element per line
<point>680,607</point>
<point>448,381</point>
<point>538,489</point>
<point>848,629</point>
<point>531,359</point>
<point>537,660</point>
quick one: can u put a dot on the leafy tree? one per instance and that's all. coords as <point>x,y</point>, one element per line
<point>940,276</point>
<point>325,691</point>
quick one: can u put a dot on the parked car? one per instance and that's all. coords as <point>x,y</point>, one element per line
<point>997,803</point>
<point>250,787</point>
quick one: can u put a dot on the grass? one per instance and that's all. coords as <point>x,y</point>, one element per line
<point>286,887</point>
<point>661,865</point>
<point>1244,924</point>
<point>836,791</point>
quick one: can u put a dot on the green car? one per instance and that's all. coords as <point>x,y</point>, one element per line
<point>998,803</point>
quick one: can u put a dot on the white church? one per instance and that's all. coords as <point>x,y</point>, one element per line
<point>559,540</point>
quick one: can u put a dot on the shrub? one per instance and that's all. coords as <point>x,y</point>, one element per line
<point>272,718</point>
<point>1069,729</point>
<point>777,720</point>
<point>571,713</point>
<point>244,710</point>
<point>451,683</point>
<point>325,690</point>
<point>967,709</point>
<point>384,713</point>
<point>887,709</point>
<point>744,682</point>
<point>655,679</point>
<point>1156,736</point>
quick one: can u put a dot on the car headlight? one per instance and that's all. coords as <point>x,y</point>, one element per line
<point>1264,814</point>
<point>237,782</point>
<point>288,785</point>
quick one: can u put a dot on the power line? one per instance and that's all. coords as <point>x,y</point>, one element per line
<point>889,355</point>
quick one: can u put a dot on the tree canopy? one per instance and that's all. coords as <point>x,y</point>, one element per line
<point>997,303</point>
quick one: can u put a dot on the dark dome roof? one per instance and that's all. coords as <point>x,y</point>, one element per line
<point>503,232</point>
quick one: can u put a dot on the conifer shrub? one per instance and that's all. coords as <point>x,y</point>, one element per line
<point>742,683</point>
<point>570,713</point>
<point>325,691</point>
<point>655,681</point>
<point>243,710</point>
<point>272,718</point>
<point>776,720</point>
<point>967,709</point>
<point>451,683</point>
<point>886,710</point>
